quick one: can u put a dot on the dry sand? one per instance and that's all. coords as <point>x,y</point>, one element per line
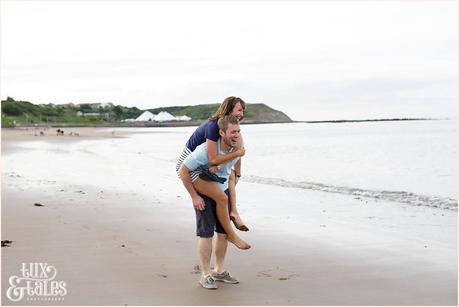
<point>125,247</point>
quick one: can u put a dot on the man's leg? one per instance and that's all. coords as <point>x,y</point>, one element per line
<point>205,225</point>
<point>205,252</point>
<point>221,244</point>
<point>220,274</point>
<point>211,190</point>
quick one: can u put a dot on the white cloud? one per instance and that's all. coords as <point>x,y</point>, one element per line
<point>395,57</point>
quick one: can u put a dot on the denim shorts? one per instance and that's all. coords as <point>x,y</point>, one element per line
<point>193,174</point>
<point>206,220</point>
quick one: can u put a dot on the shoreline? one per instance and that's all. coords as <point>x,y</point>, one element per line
<point>197,123</point>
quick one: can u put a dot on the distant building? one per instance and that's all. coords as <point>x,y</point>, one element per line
<point>81,114</point>
<point>97,105</point>
<point>146,116</point>
<point>101,105</point>
<point>164,117</point>
<point>183,118</point>
<point>67,105</point>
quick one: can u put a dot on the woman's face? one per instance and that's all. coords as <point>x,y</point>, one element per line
<point>238,111</point>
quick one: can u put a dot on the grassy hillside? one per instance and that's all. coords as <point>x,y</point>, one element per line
<point>24,112</point>
<point>199,112</point>
<point>255,112</point>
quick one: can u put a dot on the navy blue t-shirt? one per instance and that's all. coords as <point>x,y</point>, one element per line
<point>207,130</point>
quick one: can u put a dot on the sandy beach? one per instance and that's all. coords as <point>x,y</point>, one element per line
<point>121,231</point>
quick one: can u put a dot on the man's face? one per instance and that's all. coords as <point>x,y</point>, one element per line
<point>231,135</point>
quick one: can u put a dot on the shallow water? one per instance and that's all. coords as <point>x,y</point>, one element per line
<point>410,162</point>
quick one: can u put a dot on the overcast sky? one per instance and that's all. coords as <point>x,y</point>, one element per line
<point>310,59</point>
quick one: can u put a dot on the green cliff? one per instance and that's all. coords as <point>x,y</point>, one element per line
<point>27,113</point>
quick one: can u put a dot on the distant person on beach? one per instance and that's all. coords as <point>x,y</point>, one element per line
<point>206,216</point>
<point>208,133</point>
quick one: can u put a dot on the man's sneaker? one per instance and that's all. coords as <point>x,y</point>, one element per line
<point>208,282</point>
<point>225,276</point>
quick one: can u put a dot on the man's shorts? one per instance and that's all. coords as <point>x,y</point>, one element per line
<point>206,220</point>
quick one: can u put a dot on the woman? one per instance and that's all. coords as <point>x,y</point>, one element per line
<point>208,132</point>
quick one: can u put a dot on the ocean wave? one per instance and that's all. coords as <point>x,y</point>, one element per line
<point>394,196</point>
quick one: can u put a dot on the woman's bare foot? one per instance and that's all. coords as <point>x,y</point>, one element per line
<point>237,221</point>
<point>239,242</point>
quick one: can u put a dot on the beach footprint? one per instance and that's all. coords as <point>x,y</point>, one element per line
<point>278,273</point>
<point>163,272</point>
<point>196,269</point>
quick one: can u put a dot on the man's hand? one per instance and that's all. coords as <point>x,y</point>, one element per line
<point>198,202</point>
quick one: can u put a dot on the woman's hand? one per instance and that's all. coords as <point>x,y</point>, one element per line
<point>240,142</point>
<point>240,151</point>
<point>214,169</point>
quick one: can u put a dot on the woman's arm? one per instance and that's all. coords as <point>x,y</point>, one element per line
<point>215,159</point>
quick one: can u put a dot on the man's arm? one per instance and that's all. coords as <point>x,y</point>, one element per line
<point>237,169</point>
<point>197,200</point>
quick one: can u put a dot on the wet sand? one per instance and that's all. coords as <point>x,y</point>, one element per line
<point>70,134</point>
<point>115,245</point>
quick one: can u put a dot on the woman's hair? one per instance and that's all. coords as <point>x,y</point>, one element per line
<point>227,106</point>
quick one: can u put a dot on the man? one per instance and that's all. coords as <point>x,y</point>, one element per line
<point>206,218</point>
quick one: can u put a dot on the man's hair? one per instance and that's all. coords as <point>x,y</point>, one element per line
<point>225,120</point>
<point>227,107</point>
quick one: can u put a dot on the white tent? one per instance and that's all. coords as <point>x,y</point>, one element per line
<point>146,117</point>
<point>183,118</point>
<point>164,116</point>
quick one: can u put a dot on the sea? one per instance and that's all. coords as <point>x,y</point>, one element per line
<point>407,162</point>
<point>412,162</point>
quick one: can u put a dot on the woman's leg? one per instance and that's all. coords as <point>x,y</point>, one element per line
<point>211,189</point>
<point>234,214</point>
